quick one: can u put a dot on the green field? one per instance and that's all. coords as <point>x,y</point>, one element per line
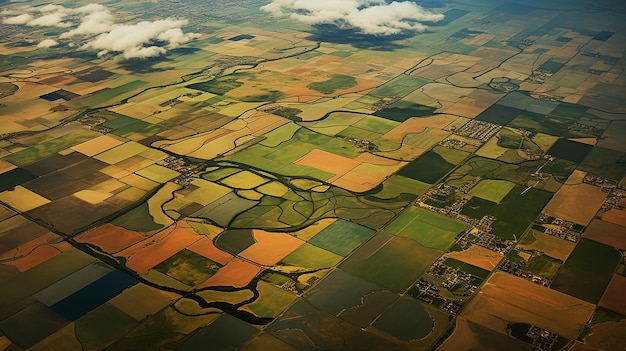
<point>590,262</point>
<point>451,156</point>
<point>477,207</point>
<point>371,307</point>
<point>542,266</point>
<point>114,95</point>
<point>428,168</point>
<point>234,241</point>
<point>49,147</point>
<point>272,300</point>
<point>395,185</point>
<point>480,167</point>
<point>606,162</point>
<point>301,327</point>
<point>188,267</point>
<point>102,326</point>
<point>517,211</point>
<point>492,190</point>
<point>391,262</point>
<point>339,291</point>
<point>334,83</point>
<point>137,219</point>
<point>430,229</point>
<point>400,86</point>
<point>341,237</point>
<point>219,86</point>
<point>406,319</point>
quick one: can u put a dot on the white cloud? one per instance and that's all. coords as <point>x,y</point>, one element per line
<point>134,40</point>
<point>47,43</point>
<point>20,19</point>
<point>93,23</point>
<point>50,20</point>
<point>140,40</point>
<point>375,17</point>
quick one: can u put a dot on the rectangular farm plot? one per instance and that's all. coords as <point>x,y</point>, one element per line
<point>576,203</point>
<point>97,145</point>
<point>158,173</point>
<point>506,298</point>
<point>224,209</point>
<point>587,271</point>
<point>359,174</point>
<point>492,190</point>
<point>427,228</point>
<point>517,210</point>
<point>341,237</point>
<point>311,256</point>
<point>93,295</point>
<point>102,326</point>
<point>607,233</point>
<point>391,262</point>
<point>272,301</point>
<point>613,298</point>
<point>72,283</point>
<point>23,199</point>
<point>188,267</point>
<point>31,325</point>
<point>121,153</point>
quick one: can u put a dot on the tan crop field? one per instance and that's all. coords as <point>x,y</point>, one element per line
<point>97,145</point>
<point>477,256</point>
<point>548,244</point>
<point>576,203</point>
<point>418,125</point>
<point>469,335</point>
<point>23,199</point>
<point>508,299</point>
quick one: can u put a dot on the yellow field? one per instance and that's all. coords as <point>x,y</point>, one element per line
<point>23,199</point>
<point>211,144</point>
<point>478,256</point>
<point>157,201</point>
<point>244,180</point>
<point>97,145</point>
<point>121,152</point>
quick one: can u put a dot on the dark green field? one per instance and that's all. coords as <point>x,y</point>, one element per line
<point>406,319</point>
<point>234,241</point>
<point>477,207</point>
<point>517,211</point>
<point>339,291</point>
<point>590,262</point>
<point>428,168</point>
